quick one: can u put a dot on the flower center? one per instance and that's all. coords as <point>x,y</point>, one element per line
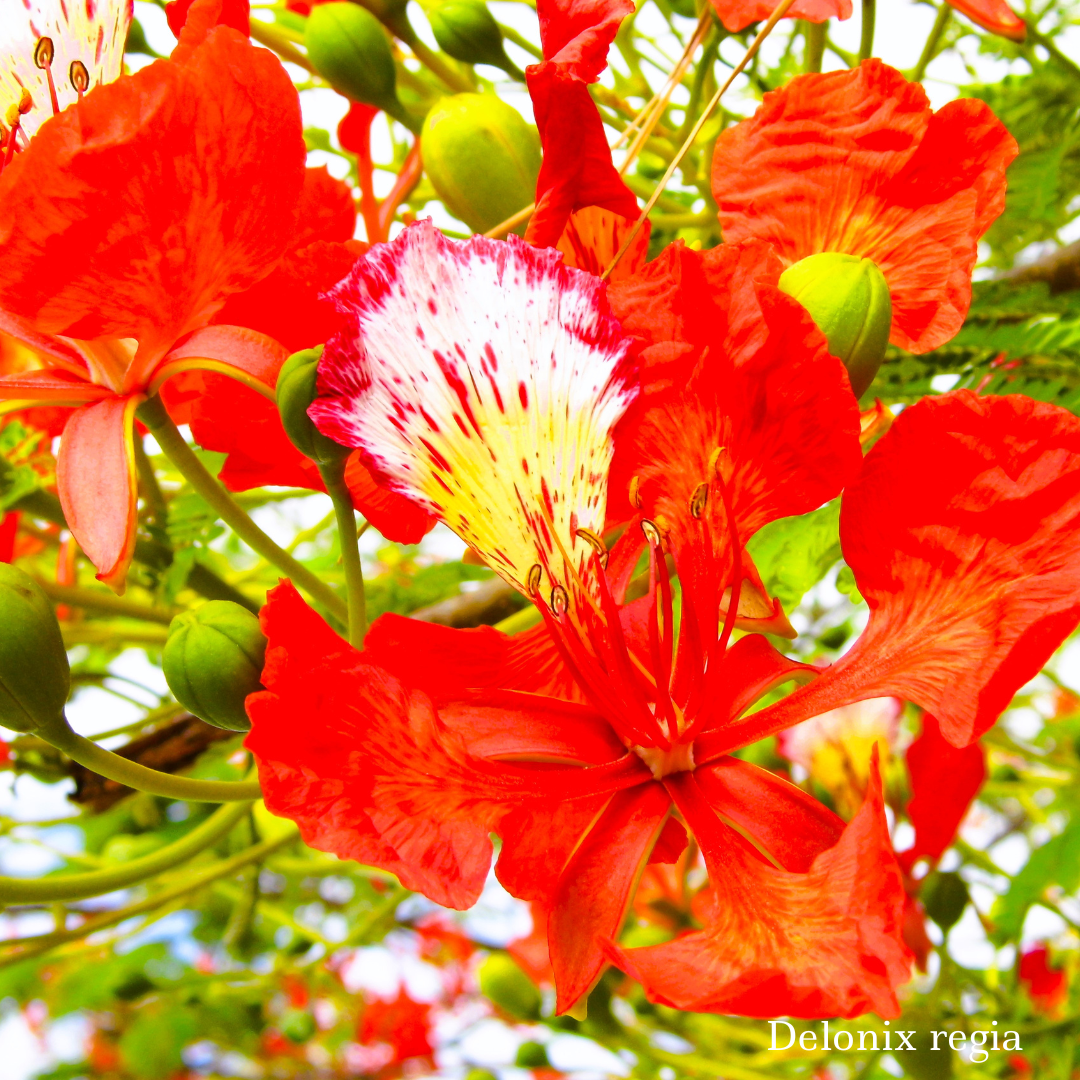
<point>107,358</point>
<point>678,758</point>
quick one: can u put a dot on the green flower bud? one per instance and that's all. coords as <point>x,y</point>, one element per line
<point>944,897</point>
<point>532,1055</point>
<point>467,31</point>
<point>505,984</point>
<point>348,47</point>
<point>481,157</point>
<point>849,300</point>
<point>212,660</point>
<point>295,392</point>
<point>34,674</point>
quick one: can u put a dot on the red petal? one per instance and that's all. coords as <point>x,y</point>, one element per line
<point>993,15</point>
<point>287,304</point>
<point>363,765</point>
<point>577,170</point>
<point>102,239</point>
<point>50,384</point>
<point>247,350</point>
<point>593,237</point>
<point>821,944</point>
<point>597,885</point>
<point>944,783</point>
<point>508,725</point>
<point>789,426</point>
<point>855,162</point>
<point>398,518</point>
<point>737,15</point>
<point>208,13</point>
<point>9,526</point>
<point>327,211</point>
<point>963,532</point>
<point>95,478</point>
<point>792,826</point>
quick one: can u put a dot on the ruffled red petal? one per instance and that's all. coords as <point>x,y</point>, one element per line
<point>208,13</point>
<point>577,170</point>
<point>593,237</point>
<point>396,517</point>
<point>737,15</point>
<point>856,162</point>
<point>136,212</point>
<point>993,15</point>
<point>944,783</point>
<point>95,479</point>
<point>367,768</point>
<point>963,532</point>
<point>821,944</point>
<point>596,886</point>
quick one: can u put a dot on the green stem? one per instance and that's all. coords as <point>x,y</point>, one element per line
<point>704,68</point>
<point>99,882</point>
<point>94,600</point>
<point>440,68</point>
<point>192,882</point>
<point>156,505</point>
<point>1047,43</point>
<point>866,40</point>
<point>132,774</point>
<point>930,49</point>
<point>815,45</point>
<point>152,413</point>
<point>333,474</point>
<point>522,42</point>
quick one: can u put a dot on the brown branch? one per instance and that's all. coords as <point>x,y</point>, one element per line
<point>492,601</point>
<point>1060,270</point>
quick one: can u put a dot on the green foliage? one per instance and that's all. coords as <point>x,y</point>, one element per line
<point>1042,111</point>
<point>794,554</point>
<point>1056,863</point>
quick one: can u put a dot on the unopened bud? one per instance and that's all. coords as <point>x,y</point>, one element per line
<point>295,393</point>
<point>944,897</point>
<point>849,300</point>
<point>482,158</point>
<point>467,31</point>
<point>212,660</point>
<point>348,47</point>
<point>34,674</point>
<point>506,985</point>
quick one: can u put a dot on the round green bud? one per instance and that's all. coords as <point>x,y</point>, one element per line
<point>348,47</point>
<point>213,659</point>
<point>506,985</point>
<point>532,1055</point>
<point>849,300</point>
<point>467,31</point>
<point>944,897</point>
<point>481,157</point>
<point>34,674</point>
<point>295,392</point>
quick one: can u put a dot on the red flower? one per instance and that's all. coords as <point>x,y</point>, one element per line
<point>993,15</point>
<point>126,224</point>
<point>9,527</point>
<point>402,1024</point>
<point>856,162</point>
<point>1047,986</point>
<point>577,169</point>
<point>485,380</point>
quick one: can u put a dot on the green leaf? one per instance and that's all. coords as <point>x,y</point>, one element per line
<point>152,1048</point>
<point>795,553</point>
<point>1057,862</point>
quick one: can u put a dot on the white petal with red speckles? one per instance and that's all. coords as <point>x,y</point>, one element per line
<point>482,379</point>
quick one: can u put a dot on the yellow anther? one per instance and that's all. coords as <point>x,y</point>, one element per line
<point>652,533</point>
<point>26,102</point>
<point>79,76</point>
<point>720,463</point>
<point>12,115</point>
<point>635,492</point>
<point>560,601</point>
<point>533,580</point>
<point>699,499</point>
<point>662,524</point>
<point>43,52</point>
<point>596,544</point>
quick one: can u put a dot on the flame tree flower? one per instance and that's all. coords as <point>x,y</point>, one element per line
<point>126,224</point>
<point>856,162</point>
<point>485,380</point>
